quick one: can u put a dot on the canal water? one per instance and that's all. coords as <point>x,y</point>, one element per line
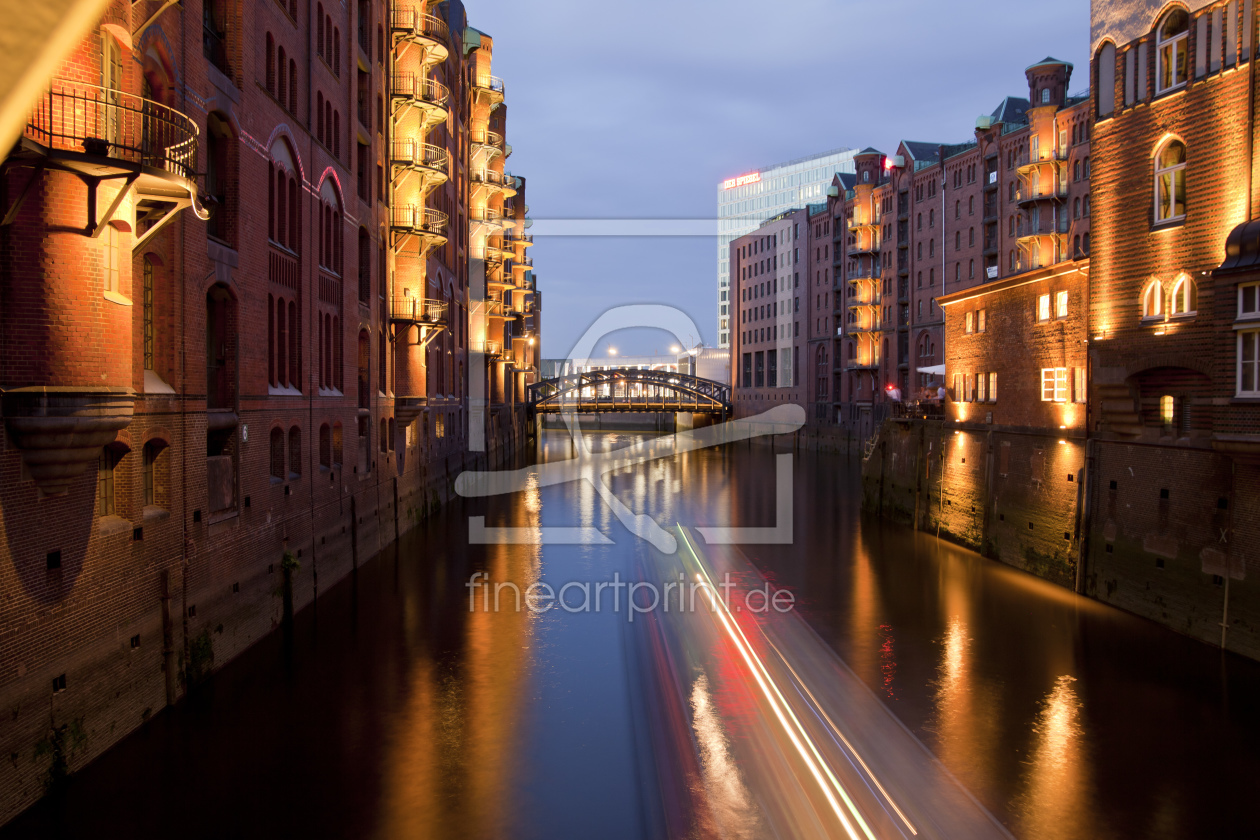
<point>394,710</point>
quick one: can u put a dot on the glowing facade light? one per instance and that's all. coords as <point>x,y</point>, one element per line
<point>742,180</point>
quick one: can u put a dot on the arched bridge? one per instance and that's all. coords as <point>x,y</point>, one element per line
<point>627,390</point>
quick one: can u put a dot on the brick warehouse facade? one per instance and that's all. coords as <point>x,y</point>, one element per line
<point>1174,405</point>
<point>1144,496</point>
<point>250,269</point>
<point>933,220</point>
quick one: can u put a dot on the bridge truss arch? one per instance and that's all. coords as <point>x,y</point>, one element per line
<point>629,390</point>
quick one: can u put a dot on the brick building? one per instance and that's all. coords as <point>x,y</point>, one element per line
<point>1174,406</point>
<point>769,270</point>
<point>933,220</point>
<point>248,270</point>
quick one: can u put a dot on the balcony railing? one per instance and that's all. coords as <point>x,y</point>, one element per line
<point>418,219</point>
<point>488,215</point>
<point>490,177</point>
<point>1042,228</point>
<point>482,137</point>
<point>110,123</point>
<point>416,310</point>
<point>420,89</point>
<point>416,24</point>
<point>490,83</point>
<point>416,154</point>
<point>492,348</point>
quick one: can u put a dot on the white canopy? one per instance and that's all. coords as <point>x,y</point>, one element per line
<point>934,370</point>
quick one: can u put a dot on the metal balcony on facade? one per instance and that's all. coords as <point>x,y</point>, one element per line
<point>489,88</point>
<point>430,96</point>
<point>430,162</point>
<point>430,33</point>
<point>417,310</point>
<point>417,220</point>
<point>1026,163</point>
<point>491,181</point>
<point>1028,196</point>
<point>100,134</point>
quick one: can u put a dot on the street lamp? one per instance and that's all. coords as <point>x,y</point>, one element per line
<point>612,351</point>
<point>675,349</point>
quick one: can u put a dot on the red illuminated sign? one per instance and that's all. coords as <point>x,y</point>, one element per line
<point>750,178</point>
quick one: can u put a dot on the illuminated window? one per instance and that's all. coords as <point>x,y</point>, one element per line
<point>1060,304</point>
<point>1172,50</point>
<point>1153,301</point>
<point>1170,182</point>
<point>1043,308</point>
<point>1054,384</point>
<point>970,322</point>
<point>980,319</point>
<point>993,387</point>
<point>982,387</point>
<point>1185,299</point>
<point>1249,363</point>
<point>1166,409</point>
<point>1079,385</point>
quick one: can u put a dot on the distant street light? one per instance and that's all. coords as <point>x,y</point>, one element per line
<point>612,351</point>
<point>675,349</point>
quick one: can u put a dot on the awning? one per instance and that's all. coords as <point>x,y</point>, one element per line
<point>934,370</point>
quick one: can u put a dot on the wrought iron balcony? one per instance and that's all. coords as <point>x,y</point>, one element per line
<point>488,139</point>
<point>492,348</point>
<point>424,30</point>
<point>414,218</point>
<point>487,216</point>
<point>430,162</point>
<point>421,91</point>
<point>499,181</point>
<point>74,122</point>
<point>416,310</point>
<point>489,86</point>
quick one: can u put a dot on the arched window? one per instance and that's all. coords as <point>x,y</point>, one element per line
<point>365,265</point>
<point>336,444</point>
<point>319,117</point>
<point>221,160</point>
<point>1045,96</point>
<point>156,474</point>
<point>1170,182</point>
<point>295,452</point>
<point>971,236</point>
<point>957,209</point>
<point>1076,208</point>
<point>971,206</point>
<point>325,446</point>
<point>319,41</point>
<point>1153,301</point>
<point>293,85</point>
<point>330,229</point>
<point>1185,298</point>
<point>277,454</point>
<point>1085,206</point>
<point>957,240</point>
<point>1076,170</point>
<point>1105,64</point>
<point>271,64</point>
<point>1172,51</point>
<point>1085,243</point>
<point>282,78</point>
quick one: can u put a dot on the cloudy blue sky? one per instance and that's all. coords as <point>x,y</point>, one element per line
<point>635,110</point>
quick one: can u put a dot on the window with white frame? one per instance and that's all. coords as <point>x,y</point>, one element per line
<point>980,319</point>
<point>1054,384</point>
<point>1249,301</point>
<point>982,387</point>
<point>1060,304</point>
<point>1172,48</point>
<point>993,387</point>
<point>1079,385</point>
<point>970,322</point>
<point>1170,182</point>
<point>1249,363</point>
<point>1043,307</point>
<point>1185,298</point>
<point>1153,301</point>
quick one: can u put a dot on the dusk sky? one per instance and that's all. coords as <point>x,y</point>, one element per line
<point>633,111</point>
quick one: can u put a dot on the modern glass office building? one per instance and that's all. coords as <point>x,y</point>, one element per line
<point>747,200</point>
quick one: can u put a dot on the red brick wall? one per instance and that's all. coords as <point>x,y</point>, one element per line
<point>216,578</point>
